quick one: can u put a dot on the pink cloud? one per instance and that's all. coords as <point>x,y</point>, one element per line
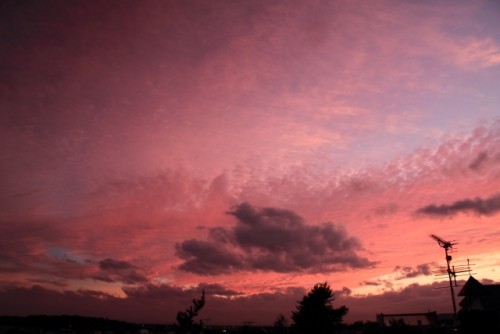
<point>148,208</point>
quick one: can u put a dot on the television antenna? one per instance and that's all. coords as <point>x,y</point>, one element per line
<point>447,245</point>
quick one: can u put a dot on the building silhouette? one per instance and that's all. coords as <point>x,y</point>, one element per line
<point>480,307</point>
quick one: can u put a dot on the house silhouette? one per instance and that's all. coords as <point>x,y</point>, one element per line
<point>480,307</point>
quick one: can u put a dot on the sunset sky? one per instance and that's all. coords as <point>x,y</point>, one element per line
<point>152,149</point>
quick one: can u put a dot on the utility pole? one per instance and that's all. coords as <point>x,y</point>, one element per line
<point>451,272</point>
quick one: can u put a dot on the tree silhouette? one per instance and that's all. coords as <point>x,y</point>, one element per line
<point>185,319</point>
<point>315,313</point>
<point>280,325</point>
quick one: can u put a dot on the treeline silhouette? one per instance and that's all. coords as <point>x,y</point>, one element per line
<point>314,314</point>
<point>63,323</point>
<point>79,325</point>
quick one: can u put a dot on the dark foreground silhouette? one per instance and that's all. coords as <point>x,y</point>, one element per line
<point>42,324</point>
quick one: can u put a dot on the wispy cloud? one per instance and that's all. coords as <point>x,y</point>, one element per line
<point>410,272</point>
<point>487,206</point>
<point>478,161</point>
<point>482,52</point>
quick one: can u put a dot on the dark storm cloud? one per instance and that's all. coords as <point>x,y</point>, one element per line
<point>371,283</point>
<point>119,271</point>
<point>410,272</point>
<point>220,235</point>
<point>378,282</point>
<point>208,258</point>
<point>345,291</point>
<point>218,290</point>
<point>131,277</point>
<point>271,239</point>
<point>163,291</point>
<point>110,264</point>
<point>478,205</point>
<point>154,292</point>
<point>479,160</point>
<point>56,283</point>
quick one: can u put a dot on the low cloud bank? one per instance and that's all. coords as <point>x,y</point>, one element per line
<point>160,303</point>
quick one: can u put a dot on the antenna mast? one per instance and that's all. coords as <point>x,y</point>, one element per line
<point>451,272</point>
